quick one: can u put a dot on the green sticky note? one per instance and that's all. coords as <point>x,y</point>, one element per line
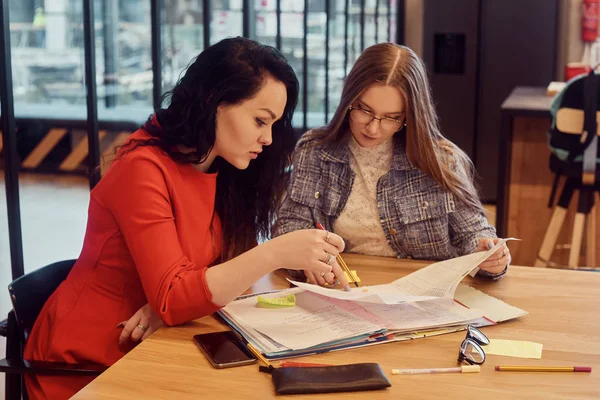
<point>276,302</point>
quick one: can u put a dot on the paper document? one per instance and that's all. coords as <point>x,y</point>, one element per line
<point>427,302</point>
<point>383,294</point>
<point>280,333</point>
<point>442,278</point>
<point>313,321</point>
<point>434,281</point>
<point>418,316</point>
<point>318,319</point>
<point>494,309</point>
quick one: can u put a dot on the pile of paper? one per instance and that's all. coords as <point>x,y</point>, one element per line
<point>423,303</point>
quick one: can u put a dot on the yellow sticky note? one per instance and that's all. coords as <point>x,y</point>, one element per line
<point>276,302</point>
<point>353,278</point>
<point>514,348</point>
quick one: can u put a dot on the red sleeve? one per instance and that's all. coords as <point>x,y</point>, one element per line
<point>139,199</point>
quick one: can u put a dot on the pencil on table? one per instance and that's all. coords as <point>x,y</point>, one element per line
<point>259,356</point>
<point>542,368</point>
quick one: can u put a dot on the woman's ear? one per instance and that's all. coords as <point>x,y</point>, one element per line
<point>219,110</point>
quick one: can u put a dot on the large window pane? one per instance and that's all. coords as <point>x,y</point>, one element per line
<point>316,26</point>
<point>124,63</point>
<point>48,56</point>
<point>393,4</point>
<point>47,52</point>
<point>48,71</point>
<point>226,20</point>
<point>182,37</point>
<point>265,30</point>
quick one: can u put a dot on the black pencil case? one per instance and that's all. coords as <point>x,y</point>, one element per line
<point>329,379</point>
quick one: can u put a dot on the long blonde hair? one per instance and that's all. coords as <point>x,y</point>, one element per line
<point>426,147</point>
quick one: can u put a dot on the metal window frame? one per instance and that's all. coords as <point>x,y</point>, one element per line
<point>156,48</point>
<point>91,93</point>
<point>9,137</point>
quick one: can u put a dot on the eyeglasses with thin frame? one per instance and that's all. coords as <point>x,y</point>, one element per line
<point>470,349</point>
<point>362,116</point>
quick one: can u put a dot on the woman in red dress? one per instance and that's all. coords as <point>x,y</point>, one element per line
<point>174,222</point>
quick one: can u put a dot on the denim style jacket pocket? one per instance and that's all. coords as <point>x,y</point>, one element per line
<point>424,217</point>
<point>317,194</point>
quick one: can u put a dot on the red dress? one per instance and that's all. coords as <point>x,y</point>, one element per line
<point>151,235</point>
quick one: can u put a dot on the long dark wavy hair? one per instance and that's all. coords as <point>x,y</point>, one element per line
<point>229,72</point>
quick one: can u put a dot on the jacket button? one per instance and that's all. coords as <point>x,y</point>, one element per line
<point>317,195</point>
<point>393,231</point>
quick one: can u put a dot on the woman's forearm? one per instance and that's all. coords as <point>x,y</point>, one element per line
<point>228,280</point>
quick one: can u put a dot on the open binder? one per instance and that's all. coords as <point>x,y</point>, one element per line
<point>430,301</point>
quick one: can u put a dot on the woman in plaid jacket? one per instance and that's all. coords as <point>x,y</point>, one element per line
<point>382,176</point>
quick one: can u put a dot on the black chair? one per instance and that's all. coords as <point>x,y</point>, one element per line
<point>575,183</point>
<point>28,295</point>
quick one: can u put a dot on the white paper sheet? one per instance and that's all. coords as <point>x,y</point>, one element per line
<point>311,322</point>
<point>436,280</point>
<point>382,294</point>
<point>420,301</point>
<point>414,316</point>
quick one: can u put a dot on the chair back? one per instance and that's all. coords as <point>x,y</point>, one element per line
<point>29,292</point>
<point>575,110</point>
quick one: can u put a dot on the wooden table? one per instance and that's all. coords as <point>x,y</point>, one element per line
<point>562,316</point>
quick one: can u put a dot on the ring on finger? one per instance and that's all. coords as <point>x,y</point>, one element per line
<point>322,274</point>
<point>142,327</point>
<point>327,259</point>
<point>327,237</point>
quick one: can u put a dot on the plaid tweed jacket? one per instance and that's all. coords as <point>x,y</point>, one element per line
<point>420,218</point>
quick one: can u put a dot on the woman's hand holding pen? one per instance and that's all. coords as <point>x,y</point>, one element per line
<point>329,278</point>
<point>313,251</point>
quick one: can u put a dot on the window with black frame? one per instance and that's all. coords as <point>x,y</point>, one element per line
<point>48,48</point>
